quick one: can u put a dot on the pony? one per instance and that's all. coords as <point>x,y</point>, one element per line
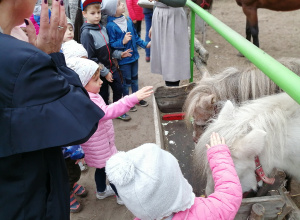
<point>250,10</point>
<point>268,127</point>
<point>204,100</point>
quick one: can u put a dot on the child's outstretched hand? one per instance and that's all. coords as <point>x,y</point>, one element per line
<point>127,37</point>
<point>126,53</point>
<point>144,92</point>
<point>148,45</point>
<point>215,139</point>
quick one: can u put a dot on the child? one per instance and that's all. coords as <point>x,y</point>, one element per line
<point>95,40</point>
<point>148,12</point>
<point>70,47</point>
<point>122,36</point>
<point>101,146</point>
<point>136,15</point>
<point>72,155</point>
<point>151,185</point>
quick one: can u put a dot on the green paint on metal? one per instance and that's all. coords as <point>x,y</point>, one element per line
<point>192,45</point>
<point>282,76</point>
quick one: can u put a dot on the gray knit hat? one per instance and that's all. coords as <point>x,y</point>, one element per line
<point>109,7</point>
<point>70,22</point>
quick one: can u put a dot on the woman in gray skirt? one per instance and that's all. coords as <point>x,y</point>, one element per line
<point>170,55</point>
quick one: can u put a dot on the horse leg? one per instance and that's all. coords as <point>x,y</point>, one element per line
<point>248,31</point>
<point>252,24</point>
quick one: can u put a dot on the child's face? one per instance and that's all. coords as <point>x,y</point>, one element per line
<point>92,14</point>
<point>95,83</point>
<point>69,34</point>
<point>120,8</point>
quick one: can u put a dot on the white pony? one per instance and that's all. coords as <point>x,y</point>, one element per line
<point>268,127</point>
<point>233,84</point>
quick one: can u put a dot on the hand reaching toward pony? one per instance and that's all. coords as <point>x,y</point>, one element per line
<point>215,139</point>
<point>144,92</point>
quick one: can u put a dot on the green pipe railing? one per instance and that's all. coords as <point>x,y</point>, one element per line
<point>282,76</point>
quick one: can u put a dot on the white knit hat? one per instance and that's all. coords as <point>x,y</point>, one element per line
<point>109,7</point>
<point>73,49</point>
<point>150,182</point>
<point>85,68</point>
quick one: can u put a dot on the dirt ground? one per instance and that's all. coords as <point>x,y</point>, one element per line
<point>279,37</point>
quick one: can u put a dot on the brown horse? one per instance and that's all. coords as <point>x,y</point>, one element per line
<point>250,10</point>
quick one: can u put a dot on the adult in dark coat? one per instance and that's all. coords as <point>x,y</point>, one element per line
<point>43,106</point>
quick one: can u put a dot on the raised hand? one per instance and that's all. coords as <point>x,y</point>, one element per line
<point>51,33</point>
<point>127,37</point>
<point>144,92</point>
<point>126,53</point>
<point>215,139</point>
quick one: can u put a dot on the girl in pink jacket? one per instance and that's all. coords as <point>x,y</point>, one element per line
<point>152,187</point>
<point>101,146</point>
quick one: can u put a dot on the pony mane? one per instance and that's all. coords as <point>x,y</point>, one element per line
<point>269,114</point>
<point>237,85</point>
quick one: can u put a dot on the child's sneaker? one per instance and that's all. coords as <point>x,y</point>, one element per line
<point>108,192</point>
<point>83,167</point>
<point>79,190</point>
<point>143,103</point>
<point>119,201</point>
<point>124,117</point>
<point>133,109</point>
<point>74,204</point>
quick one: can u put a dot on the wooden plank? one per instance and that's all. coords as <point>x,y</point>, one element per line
<point>272,205</point>
<point>279,176</point>
<point>290,207</point>
<point>171,99</point>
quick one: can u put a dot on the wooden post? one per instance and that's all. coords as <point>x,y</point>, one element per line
<point>201,67</point>
<point>257,212</point>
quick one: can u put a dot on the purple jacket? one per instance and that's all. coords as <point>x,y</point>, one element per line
<point>224,203</point>
<point>101,146</point>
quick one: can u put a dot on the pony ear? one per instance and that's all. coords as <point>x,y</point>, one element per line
<point>250,145</point>
<point>208,101</point>
<point>226,111</point>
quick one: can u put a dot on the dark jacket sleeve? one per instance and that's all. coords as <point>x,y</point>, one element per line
<point>174,3</point>
<point>87,41</point>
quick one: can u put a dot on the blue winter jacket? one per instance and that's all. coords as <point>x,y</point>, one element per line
<point>116,37</point>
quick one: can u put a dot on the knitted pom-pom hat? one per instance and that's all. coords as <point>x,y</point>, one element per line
<point>85,3</point>
<point>73,49</point>
<point>85,68</point>
<point>150,182</point>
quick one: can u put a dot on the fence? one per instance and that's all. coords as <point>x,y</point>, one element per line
<point>282,76</point>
